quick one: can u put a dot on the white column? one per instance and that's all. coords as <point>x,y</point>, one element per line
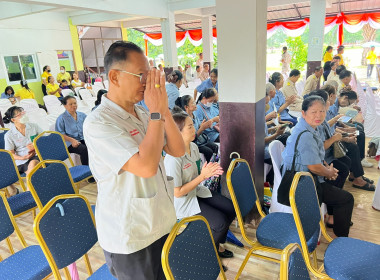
<point>241,59</point>
<point>169,41</point>
<point>316,30</point>
<point>207,40</point>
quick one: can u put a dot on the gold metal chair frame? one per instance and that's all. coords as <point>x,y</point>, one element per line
<point>285,257</point>
<point>17,230</point>
<point>169,242</point>
<point>67,151</point>
<point>313,267</point>
<point>43,165</point>
<point>21,183</point>
<point>41,241</point>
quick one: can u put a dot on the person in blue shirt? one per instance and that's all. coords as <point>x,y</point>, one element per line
<point>279,101</point>
<point>310,155</point>
<point>70,125</point>
<point>211,82</point>
<point>172,87</point>
<point>206,111</point>
<point>187,104</point>
<point>9,93</point>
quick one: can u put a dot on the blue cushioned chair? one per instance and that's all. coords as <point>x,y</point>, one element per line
<point>30,262</point>
<point>293,265</point>
<point>65,230</point>
<point>53,147</point>
<point>46,183</point>
<point>20,203</point>
<point>191,253</point>
<point>275,231</point>
<point>2,135</point>
<point>345,258</point>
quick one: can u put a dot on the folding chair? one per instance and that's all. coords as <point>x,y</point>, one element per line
<point>5,104</point>
<point>345,258</point>
<point>293,265</point>
<point>53,147</point>
<point>53,105</point>
<point>2,135</point>
<point>67,92</point>
<point>191,253</point>
<point>275,231</point>
<point>29,262</point>
<point>23,202</point>
<point>30,105</point>
<point>65,230</point>
<point>46,183</point>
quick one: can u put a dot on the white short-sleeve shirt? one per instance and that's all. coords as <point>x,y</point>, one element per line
<point>131,212</point>
<point>183,170</point>
<point>17,142</point>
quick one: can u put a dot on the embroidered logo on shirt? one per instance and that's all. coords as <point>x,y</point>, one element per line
<point>134,132</point>
<point>187,166</point>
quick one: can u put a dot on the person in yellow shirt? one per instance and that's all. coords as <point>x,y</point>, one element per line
<point>24,92</point>
<point>63,75</point>
<point>53,89</point>
<point>328,54</point>
<point>44,78</point>
<point>371,56</point>
<point>340,54</point>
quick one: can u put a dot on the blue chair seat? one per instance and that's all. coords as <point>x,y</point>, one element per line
<point>21,202</point>
<point>278,230</point>
<point>102,273</point>
<point>80,172</point>
<point>349,258</point>
<point>29,263</point>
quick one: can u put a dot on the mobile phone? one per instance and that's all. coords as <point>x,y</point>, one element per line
<point>285,125</point>
<point>344,119</point>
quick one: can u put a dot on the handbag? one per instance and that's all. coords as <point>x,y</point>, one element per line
<point>287,179</point>
<point>339,149</point>
<point>201,140</point>
<point>216,127</point>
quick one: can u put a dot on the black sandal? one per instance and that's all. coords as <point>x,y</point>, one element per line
<point>332,225</point>
<point>366,187</point>
<point>364,178</point>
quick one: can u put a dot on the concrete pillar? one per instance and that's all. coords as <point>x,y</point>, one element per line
<point>169,43</point>
<point>316,34</point>
<point>241,82</point>
<point>207,41</point>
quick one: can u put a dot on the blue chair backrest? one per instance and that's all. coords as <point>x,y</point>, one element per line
<point>307,206</point>
<point>68,235</point>
<point>52,147</point>
<point>6,226</point>
<point>8,173</point>
<point>244,187</point>
<point>2,142</point>
<point>297,269</point>
<point>51,181</point>
<point>192,254</point>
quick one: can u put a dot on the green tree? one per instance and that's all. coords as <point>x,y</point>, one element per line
<point>297,48</point>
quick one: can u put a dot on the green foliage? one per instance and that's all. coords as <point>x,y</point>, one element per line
<point>298,50</point>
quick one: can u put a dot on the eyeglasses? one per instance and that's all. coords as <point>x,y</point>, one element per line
<point>142,76</point>
<point>19,114</point>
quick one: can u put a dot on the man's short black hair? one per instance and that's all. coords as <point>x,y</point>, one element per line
<point>119,52</point>
<point>339,69</point>
<point>317,69</point>
<point>344,74</point>
<point>337,57</point>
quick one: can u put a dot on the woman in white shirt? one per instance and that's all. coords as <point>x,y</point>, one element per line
<point>75,82</point>
<point>190,196</point>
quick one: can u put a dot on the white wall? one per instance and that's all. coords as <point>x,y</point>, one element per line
<point>43,32</point>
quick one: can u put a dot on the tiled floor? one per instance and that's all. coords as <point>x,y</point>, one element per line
<point>366,226</point>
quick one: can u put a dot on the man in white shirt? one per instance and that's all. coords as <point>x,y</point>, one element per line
<point>286,58</point>
<point>134,208</point>
<point>200,61</point>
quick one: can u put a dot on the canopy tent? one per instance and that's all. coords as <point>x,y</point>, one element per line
<point>351,23</point>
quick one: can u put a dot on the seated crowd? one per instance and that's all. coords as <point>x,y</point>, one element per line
<point>186,128</point>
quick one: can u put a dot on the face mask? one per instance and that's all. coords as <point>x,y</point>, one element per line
<point>48,71</point>
<point>208,104</point>
<point>24,119</point>
<point>62,71</point>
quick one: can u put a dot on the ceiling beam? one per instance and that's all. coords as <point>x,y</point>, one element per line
<point>151,8</point>
<point>298,11</point>
<point>179,27</point>
<point>181,5</point>
<point>10,10</point>
<point>96,17</point>
<point>135,23</point>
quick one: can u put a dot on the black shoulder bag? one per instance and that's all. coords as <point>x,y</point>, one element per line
<point>287,179</point>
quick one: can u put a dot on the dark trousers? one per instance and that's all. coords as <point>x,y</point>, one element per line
<point>219,213</point>
<point>360,139</point>
<point>369,70</point>
<point>43,87</point>
<point>141,265</point>
<point>81,150</point>
<point>353,153</point>
<point>341,203</point>
<point>270,176</point>
<point>208,150</point>
<point>343,164</point>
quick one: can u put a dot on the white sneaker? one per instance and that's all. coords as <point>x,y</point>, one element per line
<point>365,163</point>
